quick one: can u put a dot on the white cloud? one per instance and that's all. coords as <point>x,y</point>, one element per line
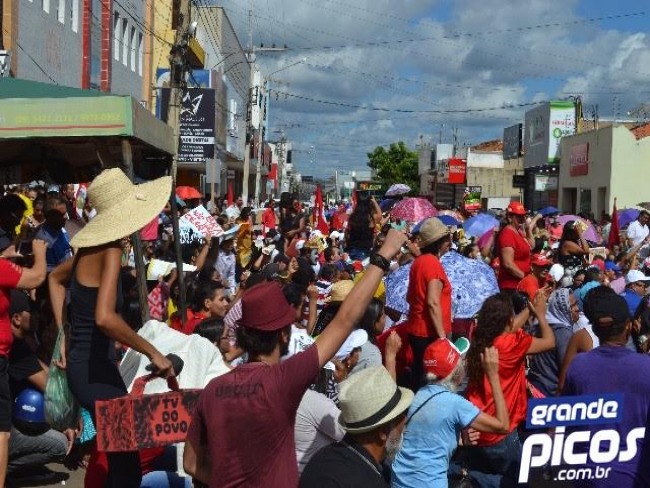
<point>486,54</point>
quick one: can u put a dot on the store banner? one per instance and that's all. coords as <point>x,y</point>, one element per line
<point>579,160</point>
<point>457,171</point>
<point>546,183</point>
<point>197,123</point>
<point>472,198</point>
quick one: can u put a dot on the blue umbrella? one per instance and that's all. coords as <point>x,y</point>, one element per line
<point>626,216</point>
<point>472,282</point>
<point>479,224</point>
<point>386,204</point>
<point>449,220</point>
<point>548,211</point>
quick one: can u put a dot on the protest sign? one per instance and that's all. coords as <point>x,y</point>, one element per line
<point>158,268</point>
<point>198,223</point>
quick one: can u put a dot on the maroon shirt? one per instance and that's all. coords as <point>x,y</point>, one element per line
<point>246,418</point>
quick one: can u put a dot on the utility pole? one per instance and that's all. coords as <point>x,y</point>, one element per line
<point>178,70</point>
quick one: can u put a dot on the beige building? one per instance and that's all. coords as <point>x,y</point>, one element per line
<point>600,165</point>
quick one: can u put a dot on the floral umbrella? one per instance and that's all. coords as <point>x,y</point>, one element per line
<point>398,189</point>
<point>413,210</point>
<point>397,284</point>
<point>472,282</point>
<point>452,213</point>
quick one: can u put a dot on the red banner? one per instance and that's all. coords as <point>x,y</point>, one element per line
<point>457,170</point>
<point>579,160</point>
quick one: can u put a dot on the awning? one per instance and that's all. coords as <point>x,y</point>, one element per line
<point>42,123</point>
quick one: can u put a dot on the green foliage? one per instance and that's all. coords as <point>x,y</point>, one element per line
<point>398,164</point>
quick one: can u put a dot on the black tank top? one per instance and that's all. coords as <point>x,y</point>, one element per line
<point>87,341</point>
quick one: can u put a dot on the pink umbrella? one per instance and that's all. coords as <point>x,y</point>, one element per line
<point>591,234</point>
<point>413,210</point>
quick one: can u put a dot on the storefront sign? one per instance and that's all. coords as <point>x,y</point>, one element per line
<point>546,183</point>
<point>546,125</point>
<point>197,123</point>
<point>472,198</point>
<point>365,185</point>
<point>562,123</point>
<point>456,171</point>
<point>519,181</point>
<point>512,141</point>
<point>579,160</point>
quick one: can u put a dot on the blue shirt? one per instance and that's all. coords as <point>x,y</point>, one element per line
<point>616,369</point>
<point>58,245</point>
<point>430,437</point>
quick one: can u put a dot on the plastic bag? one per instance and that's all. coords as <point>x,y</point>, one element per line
<point>61,407</point>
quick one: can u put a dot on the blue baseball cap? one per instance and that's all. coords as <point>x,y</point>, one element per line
<point>612,266</point>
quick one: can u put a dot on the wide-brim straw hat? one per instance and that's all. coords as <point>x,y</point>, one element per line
<point>432,230</point>
<point>369,399</point>
<point>122,207</point>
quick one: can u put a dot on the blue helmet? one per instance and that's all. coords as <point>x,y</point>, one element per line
<point>29,412</point>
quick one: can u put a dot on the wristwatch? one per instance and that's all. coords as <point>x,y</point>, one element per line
<point>380,261</point>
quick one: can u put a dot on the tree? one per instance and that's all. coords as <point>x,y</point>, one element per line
<point>398,164</point>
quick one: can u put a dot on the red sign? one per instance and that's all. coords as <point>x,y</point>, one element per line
<point>579,160</point>
<point>457,171</point>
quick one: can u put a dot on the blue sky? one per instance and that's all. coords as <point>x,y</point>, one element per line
<point>379,71</point>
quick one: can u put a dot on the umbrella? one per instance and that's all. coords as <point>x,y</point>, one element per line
<point>386,204</point>
<point>413,209</point>
<point>546,211</point>
<point>626,216</point>
<point>452,213</point>
<point>188,193</point>
<point>590,234</point>
<point>449,220</point>
<point>479,224</point>
<point>398,189</point>
<point>397,284</point>
<point>472,282</point>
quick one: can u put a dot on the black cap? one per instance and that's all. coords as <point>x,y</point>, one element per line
<point>604,308</point>
<point>20,302</point>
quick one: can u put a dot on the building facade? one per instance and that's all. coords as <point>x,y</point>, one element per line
<point>600,165</point>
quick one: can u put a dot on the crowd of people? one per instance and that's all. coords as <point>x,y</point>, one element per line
<point>333,348</point>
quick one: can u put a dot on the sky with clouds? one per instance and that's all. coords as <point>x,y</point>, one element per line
<point>379,71</point>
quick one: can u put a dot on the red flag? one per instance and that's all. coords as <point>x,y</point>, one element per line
<point>319,219</point>
<point>231,194</point>
<point>614,230</point>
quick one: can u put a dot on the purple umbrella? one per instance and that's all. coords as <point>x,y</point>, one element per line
<point>590,234</point>
<point>626,216</point>
<point>479,224</point>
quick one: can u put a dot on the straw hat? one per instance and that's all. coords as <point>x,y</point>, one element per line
<point>122,207</point>
<point>369,399</point>
<point>432,230</point>
<point>340,290</point>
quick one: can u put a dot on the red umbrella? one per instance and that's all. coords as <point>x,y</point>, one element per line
<point>231,194</point>
<point>188,193</point>
<point>413,210</point>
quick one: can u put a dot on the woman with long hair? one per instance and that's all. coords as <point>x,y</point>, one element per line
<point>93,276</point>
<point>498,326</point>
<point>574,249</point>
<point>360,232</point>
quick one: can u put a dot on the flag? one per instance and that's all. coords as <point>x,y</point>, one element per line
<point>614,230</point>
<point>319,219</point>
<point>231,194</point>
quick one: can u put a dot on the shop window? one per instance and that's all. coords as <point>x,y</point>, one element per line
<point>117,33</point>
<point>74,15</point>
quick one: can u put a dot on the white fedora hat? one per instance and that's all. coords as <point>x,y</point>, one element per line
<point>371,398</point>
<point>122,207</point>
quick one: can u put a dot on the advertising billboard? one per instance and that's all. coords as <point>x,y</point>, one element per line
<point>544,128</point>
<point>579,160</point>
<point>472,198</point>
<point>512,141</point>
<point>546,183</point>
<point>456,171</point>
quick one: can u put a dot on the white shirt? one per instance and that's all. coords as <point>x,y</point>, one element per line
<point>317,426</point>
<point>637,232</point>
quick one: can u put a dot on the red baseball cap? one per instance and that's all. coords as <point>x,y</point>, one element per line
<point>540,260</point>
<point>264,307</point>
<point>516,208</point>
<point>441,358</point>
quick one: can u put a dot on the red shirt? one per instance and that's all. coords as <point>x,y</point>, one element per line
<point>404,357</point>
<point>512,375</point>
<point>194,319</point>
<point>509,237</point>
<point>268,219</point>
<point>425,269</point>
<point>245,420</point>
<point>529,285</point>
<point>10,274</point>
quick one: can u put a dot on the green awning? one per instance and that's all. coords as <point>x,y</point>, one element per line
<point>32,110</point>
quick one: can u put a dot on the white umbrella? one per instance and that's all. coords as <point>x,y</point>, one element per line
<point>398,189</point>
